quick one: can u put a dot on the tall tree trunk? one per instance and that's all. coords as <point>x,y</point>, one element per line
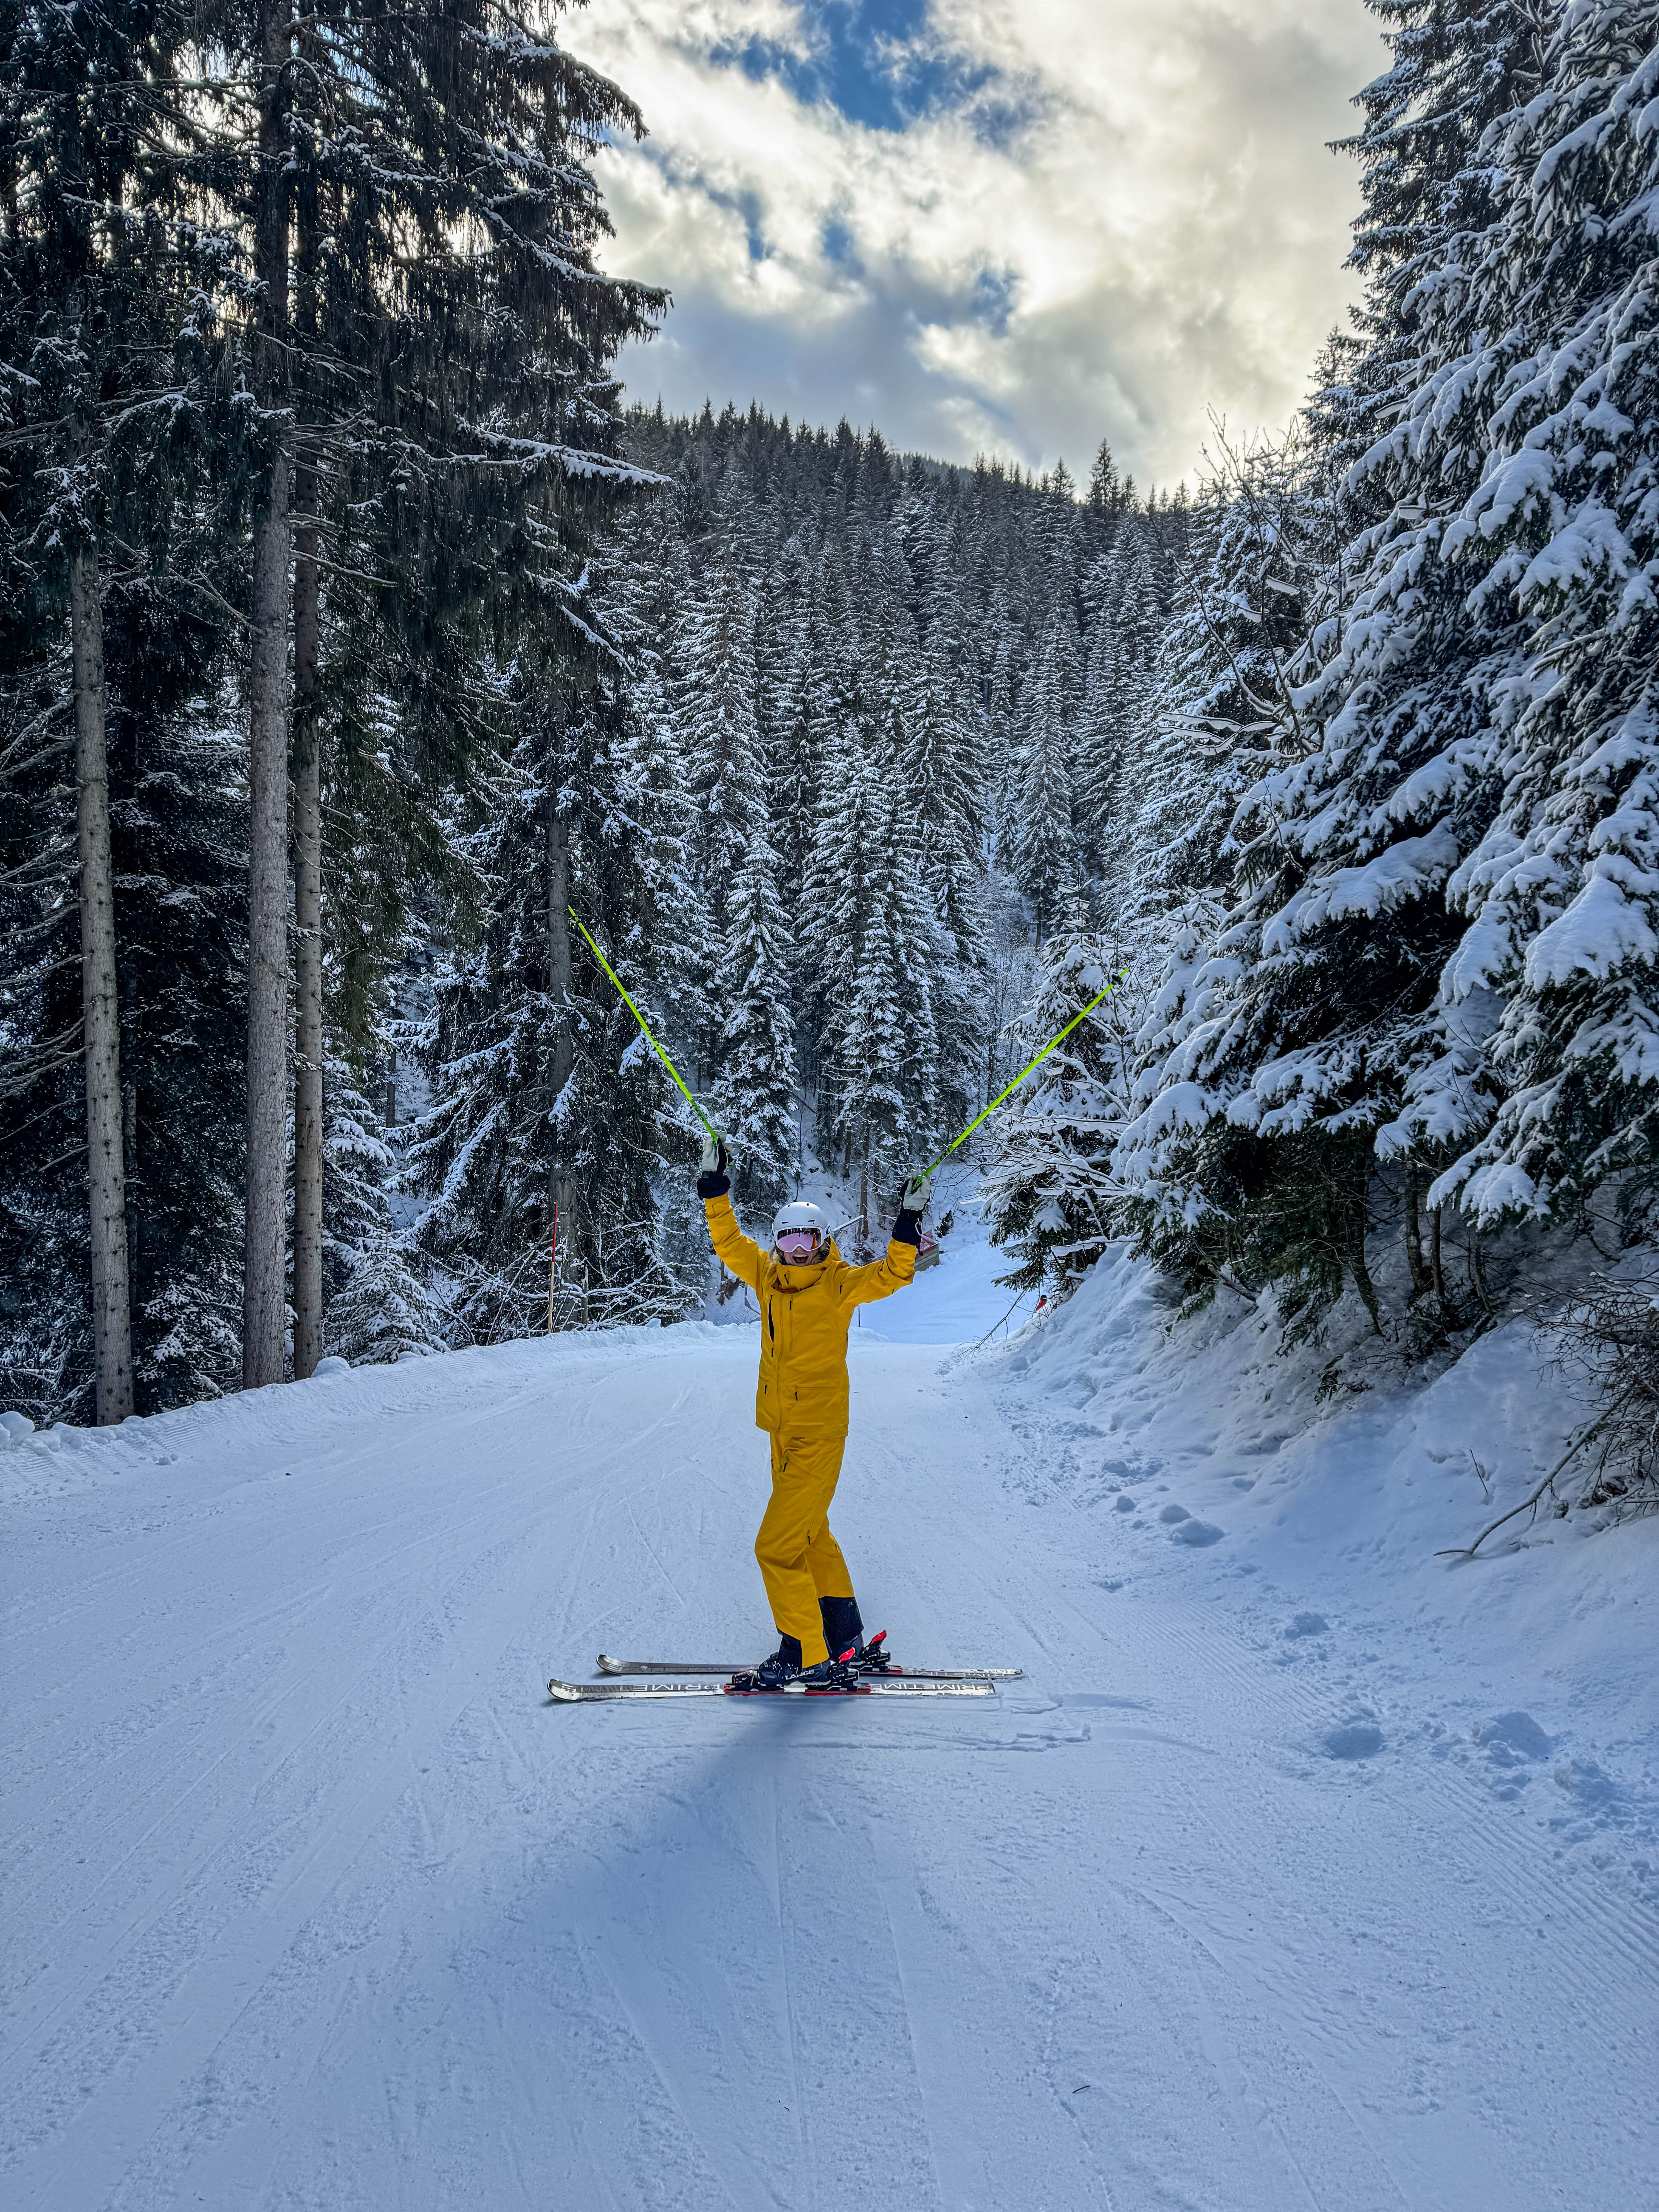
<point>1448,1313</point>
<point>307,945</point>
<point>1419,1273</point>
<point>1364,1286</point>
<point>267,951</point>
<point>268,730</point>
<point>107,1177</point>
<point>559,983</point>
<point>135,1185</point>
<point>308,1051</point>
<point>1477,1274</point>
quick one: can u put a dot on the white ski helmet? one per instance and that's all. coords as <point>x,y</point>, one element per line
<point>801,1218</point>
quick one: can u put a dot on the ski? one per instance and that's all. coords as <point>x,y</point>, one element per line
<point>890,1673</point>
<point>583,1693</point>
<point>875,1664</point>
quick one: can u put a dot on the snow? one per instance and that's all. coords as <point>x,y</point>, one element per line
<point>1404,872</point>
<point>1303,1868</point>
<point>1600,932</point>
<point>959,1300</point>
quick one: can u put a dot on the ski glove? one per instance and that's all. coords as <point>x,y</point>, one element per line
<point>906,1229</point>
<point>715,1178</point>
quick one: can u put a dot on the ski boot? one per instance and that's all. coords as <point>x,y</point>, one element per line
<point>843,1630</point>
<point>830,1678</point>
<point>844,1633</point>
<point>772,1673</point>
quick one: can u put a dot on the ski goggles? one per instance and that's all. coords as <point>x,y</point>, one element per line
<point>797,1245</point>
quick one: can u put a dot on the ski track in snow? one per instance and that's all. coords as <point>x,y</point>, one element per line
<point>315,1901</point>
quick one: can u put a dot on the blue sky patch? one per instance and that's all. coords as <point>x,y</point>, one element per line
<point>872,60</point>
<point>994,298</point>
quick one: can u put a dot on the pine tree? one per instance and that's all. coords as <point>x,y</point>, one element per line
<point>1560,896</point>
<point>1245,1158</point>
<point>638,572</point>
<point>813,704</point>
<point>411,203</point>
<point>831,900</point>
<point>1049,1193</point>
<point>1122,650</point>
<point>177,832</point>
<point>835,906</point>
<point>379,1303</point>
<point>1216,700</point>
<point>1410,772</point>
<point>1428,975</point>
<point>946,780</point>
<point>1057,537</point>
<point>1107,501</point>
<point>883,1034</point>
<point>1043,854</point>
<point>891,954</point>
<point>516,1118</point>
<point>716,709</point>
<point>755,1096</point>
<point>84,311</point>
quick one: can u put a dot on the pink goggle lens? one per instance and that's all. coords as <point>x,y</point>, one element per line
<point>797,1244</point>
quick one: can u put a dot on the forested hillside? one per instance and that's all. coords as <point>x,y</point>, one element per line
<point>866,771</point>
<point>305,372</point>
<point>829,796</point>
<point>1392,884</point>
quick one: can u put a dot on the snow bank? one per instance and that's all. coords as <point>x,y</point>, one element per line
<point>1314,1492</point>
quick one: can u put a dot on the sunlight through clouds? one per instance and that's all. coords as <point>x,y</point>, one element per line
<point>1000,225</point>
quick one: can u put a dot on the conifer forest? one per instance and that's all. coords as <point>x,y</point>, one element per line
<point>355,628</point>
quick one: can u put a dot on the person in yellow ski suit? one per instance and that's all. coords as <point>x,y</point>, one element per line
<point>806,1293</point>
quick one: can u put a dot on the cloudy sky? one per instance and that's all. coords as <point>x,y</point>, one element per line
<point>1009,227</point>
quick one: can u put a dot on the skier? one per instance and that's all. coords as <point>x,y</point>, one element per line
<point>806,1293</point>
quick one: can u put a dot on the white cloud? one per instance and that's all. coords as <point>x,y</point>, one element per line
<point>1122,214</point>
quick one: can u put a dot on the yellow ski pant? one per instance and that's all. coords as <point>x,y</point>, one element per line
<point>799,1560</point>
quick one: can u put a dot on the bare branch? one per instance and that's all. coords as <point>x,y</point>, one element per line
<point>1530,1504</point>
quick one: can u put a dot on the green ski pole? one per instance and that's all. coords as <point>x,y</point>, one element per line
<point>645,1028</point>
<point>1024,1071</point>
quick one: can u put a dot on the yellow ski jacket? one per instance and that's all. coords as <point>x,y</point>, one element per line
<point>804,1313</point>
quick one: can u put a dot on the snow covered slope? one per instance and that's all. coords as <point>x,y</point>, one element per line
<point>314,1900</point>
<point>1322,1520</point>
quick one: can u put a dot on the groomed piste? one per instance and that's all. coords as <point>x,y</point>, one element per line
<point>1297,1870</point>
